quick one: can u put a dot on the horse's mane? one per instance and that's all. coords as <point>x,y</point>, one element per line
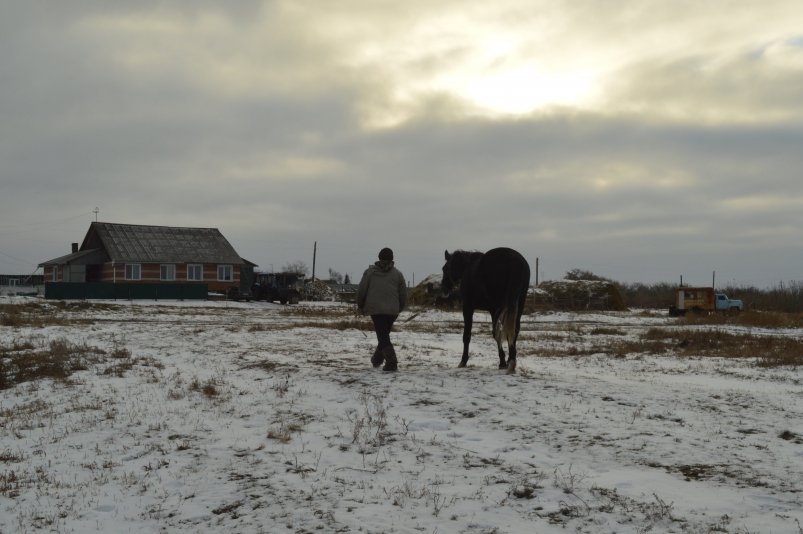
<point>467,255</point>
<point>461,259</point>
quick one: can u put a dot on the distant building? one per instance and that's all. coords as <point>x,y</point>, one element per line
<point>13,280</point>
<point>140,254</point>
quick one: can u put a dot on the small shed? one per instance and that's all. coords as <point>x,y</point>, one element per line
<point>135,254</point>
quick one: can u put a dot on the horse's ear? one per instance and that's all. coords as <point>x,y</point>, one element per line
<point>446,253</point>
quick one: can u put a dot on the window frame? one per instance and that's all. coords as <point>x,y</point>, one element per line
<point>222,269</point>
<point>129,271</point>
<point>167,272</point>
<point>192,267</point>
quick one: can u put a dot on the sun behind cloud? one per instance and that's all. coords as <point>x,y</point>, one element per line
<point>524,89</point>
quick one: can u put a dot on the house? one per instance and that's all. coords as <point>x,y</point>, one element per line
<point>134,254</point>
<point>14,280</point>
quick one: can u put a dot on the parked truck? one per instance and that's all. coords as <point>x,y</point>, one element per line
<point>703,300</point>
<point>282,287</point>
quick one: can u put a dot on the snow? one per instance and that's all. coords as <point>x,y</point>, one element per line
<point>302,435</point>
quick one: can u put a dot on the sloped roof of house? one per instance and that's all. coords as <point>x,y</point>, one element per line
<point>82,257</point>
<point>160,244</point>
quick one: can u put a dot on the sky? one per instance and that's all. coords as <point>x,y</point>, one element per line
<point>641,140</point>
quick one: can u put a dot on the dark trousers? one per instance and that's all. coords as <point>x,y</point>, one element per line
<point>383,325</point>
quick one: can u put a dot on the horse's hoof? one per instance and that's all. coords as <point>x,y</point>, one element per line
<point>511,368</point>
<point>461,365</point>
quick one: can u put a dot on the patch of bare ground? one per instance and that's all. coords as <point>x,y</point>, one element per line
<point>768,350</point>
<point>771,351</point>
<point>44,314</point>
<point>754,318</point>
<point>318,312</point>
<point>31,360</point>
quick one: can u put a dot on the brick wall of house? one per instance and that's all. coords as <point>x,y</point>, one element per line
<point>151,273</point>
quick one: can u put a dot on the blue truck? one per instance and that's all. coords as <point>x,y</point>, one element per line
<point>703,300</point>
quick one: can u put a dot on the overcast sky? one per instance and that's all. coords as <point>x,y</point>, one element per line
<point>642,140</point>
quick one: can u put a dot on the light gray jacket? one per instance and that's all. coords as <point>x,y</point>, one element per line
<point>382,290</point>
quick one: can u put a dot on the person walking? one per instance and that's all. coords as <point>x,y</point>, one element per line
<point>382,294</point>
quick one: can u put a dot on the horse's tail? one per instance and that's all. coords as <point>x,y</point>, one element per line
<point>507,322</point>
<point>514,303</point>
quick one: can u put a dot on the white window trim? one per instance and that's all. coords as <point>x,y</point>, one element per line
<point>55,276</point>
<point>139,271</point>
<point>168,266</point>
<point>225,268</point>
<point>200,268</point>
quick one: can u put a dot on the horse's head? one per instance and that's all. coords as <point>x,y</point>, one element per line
<point>452,273</point>
<point>457,266</point>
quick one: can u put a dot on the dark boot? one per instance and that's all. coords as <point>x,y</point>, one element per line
<point>377,358</point>
<point>390,359</point>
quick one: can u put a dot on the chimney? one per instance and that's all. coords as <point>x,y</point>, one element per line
<point>74,248</point>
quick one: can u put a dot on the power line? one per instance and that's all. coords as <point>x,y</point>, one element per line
<point>8,228</point>
<point>14,257</point>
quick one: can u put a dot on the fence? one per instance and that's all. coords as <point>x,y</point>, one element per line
<point>109,291</point>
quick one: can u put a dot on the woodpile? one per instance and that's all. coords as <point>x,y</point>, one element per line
<point>317,290</point>
<point>577,295</point>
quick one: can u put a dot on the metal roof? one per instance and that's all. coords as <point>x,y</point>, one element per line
<point>160,244</point>
<point>82,257</point>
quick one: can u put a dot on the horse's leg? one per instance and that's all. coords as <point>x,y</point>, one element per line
<point>497,332</point>
<point>511,349</point>
<point>511,363</point>
<point>468,320</point>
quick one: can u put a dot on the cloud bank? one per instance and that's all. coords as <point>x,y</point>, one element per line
<point>642,141</point>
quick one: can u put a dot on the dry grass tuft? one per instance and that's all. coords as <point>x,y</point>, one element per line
<point>354,323</point>
<point>771,351</point>
<point>758,319</point>
<point>283,431</point>
<point>22,362</point>
<point>607,331</point>
<point>208,388</point>
<point>35,315</point>
<point>319,312</point>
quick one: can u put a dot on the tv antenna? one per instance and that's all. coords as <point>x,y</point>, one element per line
<point>96,211</point>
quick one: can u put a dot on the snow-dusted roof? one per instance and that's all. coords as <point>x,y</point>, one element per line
<point>151,244</point>
<point>82,257</point>
<point>166,244</point>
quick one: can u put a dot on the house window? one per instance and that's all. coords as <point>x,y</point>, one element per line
<point>132,271</point>
<point>55,273</point>
<point>224,273</point>
<point>167,272</point>
<point>195,271</point>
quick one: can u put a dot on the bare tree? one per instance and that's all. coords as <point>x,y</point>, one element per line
<point>335,276</point>
<point>298,267</point>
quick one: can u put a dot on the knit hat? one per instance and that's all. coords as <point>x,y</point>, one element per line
<point>386,254</point>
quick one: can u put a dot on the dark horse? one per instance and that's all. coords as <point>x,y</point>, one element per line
<point>495,281</point>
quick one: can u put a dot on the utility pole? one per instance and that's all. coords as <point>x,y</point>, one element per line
<point>314,254</point>
<point>537,261</point>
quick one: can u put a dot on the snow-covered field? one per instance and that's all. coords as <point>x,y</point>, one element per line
<point>254,417</point>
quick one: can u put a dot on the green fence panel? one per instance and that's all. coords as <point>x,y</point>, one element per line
<point>109,291</point>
